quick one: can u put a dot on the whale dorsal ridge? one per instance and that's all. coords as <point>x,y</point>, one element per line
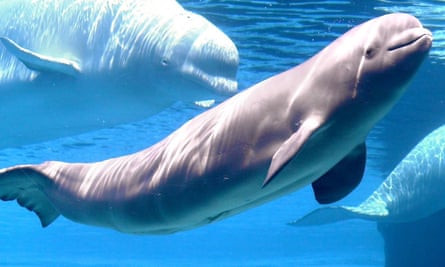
<point>38,62</point>
<point>25,184</point>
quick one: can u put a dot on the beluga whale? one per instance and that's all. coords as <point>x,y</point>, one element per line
<point>415,189</point>
<point>305,125</point>
<point>68,67</point>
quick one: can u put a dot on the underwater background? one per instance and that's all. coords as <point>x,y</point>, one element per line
<point>271,36</point>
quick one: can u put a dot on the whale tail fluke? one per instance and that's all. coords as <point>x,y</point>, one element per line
<point>330,214</point>
<point>26,185</point>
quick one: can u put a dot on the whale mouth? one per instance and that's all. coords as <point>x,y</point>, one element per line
<point>410,37</point>
<point>221,84</point>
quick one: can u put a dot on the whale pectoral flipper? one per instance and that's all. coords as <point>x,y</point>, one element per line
<point>205,103</point>
<point>39,62</point>
<point>25,184</point>
<point>327,215</point>
<point>341,179</point>
<point>331,214</point>
<point>291,146</point>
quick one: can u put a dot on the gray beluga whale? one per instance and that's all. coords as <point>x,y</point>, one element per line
<point>305,125</point>
<point>414,190</point>
<point>68,67</point>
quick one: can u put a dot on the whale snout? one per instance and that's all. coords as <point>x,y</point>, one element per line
<point>213,61</point>
<point>405,33</point>
<point>419,38</point>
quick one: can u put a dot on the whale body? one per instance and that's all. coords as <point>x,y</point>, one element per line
<point>415,189</point>
<point>305,125</point>
<point>68,67</point>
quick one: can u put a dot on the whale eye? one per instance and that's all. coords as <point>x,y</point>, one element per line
<point>186,15</point>
<point>370,52</point>
<point>164,62</point>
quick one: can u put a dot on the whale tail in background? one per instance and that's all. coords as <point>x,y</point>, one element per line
<point>26,185</point>
<point>331,214</point>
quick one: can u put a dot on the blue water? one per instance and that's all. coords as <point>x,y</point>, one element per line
<point>271,36</point>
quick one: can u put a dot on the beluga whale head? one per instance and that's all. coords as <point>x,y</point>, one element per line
<point>184,46</point>
<point>370,65</point>
<point>206,55</point>
<point>389,50</point>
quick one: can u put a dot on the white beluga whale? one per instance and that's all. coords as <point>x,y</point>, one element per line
<point>415,189</point>
<point>305,125</point>
<point>68,67</point>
